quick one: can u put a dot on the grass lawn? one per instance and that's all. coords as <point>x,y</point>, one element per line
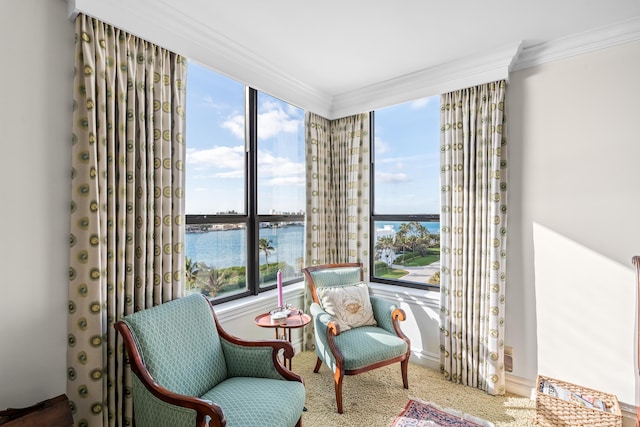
<point>393,273</point>
<point>423,260</point>
<point>433,255</point>
<point>384,271</point>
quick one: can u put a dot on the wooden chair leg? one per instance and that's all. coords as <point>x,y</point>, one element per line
<point>318,364</point>
<point>338,376</point>
<point>404,366</point>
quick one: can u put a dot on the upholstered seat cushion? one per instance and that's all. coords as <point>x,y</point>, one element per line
<point>367,345</point>
<point>280,403</point>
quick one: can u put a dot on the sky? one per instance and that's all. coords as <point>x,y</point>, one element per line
<point>215,161</point>
<point>407,158</point>
<point>406,151</point>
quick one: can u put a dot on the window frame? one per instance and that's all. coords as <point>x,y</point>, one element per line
<point>373,218</point>
<point>250,218</point>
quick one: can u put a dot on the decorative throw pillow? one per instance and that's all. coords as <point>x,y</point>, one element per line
<point>349,305</point>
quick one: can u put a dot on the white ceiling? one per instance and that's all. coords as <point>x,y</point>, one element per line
<point>334,56</point>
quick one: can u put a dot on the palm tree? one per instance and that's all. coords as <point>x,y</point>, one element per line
<point>385,246</point>
<point>420,230</point>
<point>412,240</point>
<point>218,278</point>
<point>191,269</point>
<point>402,238</point>
<point>264,245</point>
<point>404,230</point>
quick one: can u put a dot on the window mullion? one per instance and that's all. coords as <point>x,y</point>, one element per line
<point>251,152</point>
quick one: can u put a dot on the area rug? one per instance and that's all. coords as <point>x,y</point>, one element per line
<point>426,414</point>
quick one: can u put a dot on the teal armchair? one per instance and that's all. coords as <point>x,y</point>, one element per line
<point>190,372</point>
<point>358,349</point>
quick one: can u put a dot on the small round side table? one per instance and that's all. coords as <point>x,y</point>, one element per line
<point>297,319</point>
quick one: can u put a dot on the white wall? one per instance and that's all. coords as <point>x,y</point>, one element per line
<point>35,118</point>
<point>574,219</point>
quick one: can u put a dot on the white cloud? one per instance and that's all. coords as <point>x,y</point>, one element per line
<point>221,162</point>
<point>297,181</point>
<point>228,162</point>
<point>275,121</point>
<point>235,124</point>
<point>272,121</point>
<point>391,178</point>
<point>279,170</point>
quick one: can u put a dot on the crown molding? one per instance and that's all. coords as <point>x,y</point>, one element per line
<point>578,44</point>
<point>462,73</point>
<point>194,39</point>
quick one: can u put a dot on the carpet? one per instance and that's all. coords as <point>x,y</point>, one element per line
<point>375,398</point>
<point>427,414</point>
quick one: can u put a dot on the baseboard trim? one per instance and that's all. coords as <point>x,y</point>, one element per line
<point>428,360</point>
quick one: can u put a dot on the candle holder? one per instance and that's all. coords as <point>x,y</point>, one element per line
<point>279,315</point>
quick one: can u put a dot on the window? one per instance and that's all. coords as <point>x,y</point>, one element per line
<point>244,188</point>
<point>405,194</point>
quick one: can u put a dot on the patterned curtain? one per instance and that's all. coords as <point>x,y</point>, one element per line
<point>337,193</point>
<point>473,236</point>
<point>127,208</point>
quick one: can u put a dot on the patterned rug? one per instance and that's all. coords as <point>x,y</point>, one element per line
<point>426,414</point>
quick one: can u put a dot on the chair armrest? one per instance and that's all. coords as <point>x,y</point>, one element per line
<point>326,331</point>
<point>258,358</point>
<point>387,314</point>
<point>323,321</point>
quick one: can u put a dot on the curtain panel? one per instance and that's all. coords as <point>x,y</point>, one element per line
<point>337,189</point>
<point>337,159</point>
<point>473,236</point>
<point>127,209</point>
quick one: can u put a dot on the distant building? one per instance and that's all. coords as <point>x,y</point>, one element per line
<point>386,231</point>
<point>388,255</point>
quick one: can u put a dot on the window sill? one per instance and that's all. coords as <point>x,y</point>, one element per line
<point>266,301</point>
<point>403,294</point>
<point>263,302</point>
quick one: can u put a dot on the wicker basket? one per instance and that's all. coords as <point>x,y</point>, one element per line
<point>555,412</point>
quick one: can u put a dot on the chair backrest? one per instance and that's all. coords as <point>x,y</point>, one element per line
<point>179,344</point>
<point>328,275</point>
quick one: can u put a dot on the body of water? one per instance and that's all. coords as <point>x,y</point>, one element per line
<point>432,227</point>
<point>227,248</point>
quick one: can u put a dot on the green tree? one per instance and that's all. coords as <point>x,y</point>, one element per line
<point>191,273</point>
<point>218,279</point>
<point>402,238</point>
<point>421,232</point>
<point>264,245</point>
<point>384,245</point>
